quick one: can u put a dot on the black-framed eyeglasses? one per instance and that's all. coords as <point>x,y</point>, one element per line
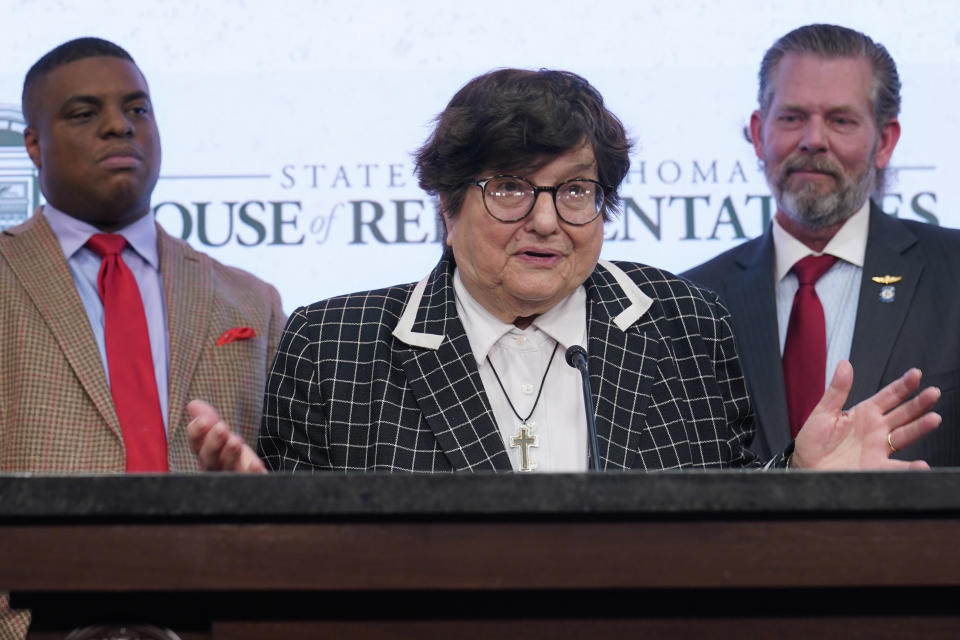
<point>511,198</point>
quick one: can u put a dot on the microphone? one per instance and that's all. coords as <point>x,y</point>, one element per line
<point>577,358</point>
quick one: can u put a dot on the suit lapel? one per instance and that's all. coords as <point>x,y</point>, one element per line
<point>878,323</point>
<point>621,356</point>
<point>444,378</point>
<point>186,287</point>
<point>750,298</point>
<point>38,263</point>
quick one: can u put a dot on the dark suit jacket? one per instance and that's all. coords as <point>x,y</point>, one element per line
<point>919,328</point>
<point>386,380</point>
<point>56,411</point>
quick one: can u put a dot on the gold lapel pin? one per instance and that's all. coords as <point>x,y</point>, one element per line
<point>886,279</point>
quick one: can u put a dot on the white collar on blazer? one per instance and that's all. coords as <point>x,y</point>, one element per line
<point>639,304</point>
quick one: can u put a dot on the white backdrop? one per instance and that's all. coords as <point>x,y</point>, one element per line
<point>288,126</point>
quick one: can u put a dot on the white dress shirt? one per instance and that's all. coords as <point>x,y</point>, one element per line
<point>520,357</point>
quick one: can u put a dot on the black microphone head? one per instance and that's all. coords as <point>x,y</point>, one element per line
<point>574,353</point>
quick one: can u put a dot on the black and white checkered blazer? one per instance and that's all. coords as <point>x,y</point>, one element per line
<point>386,380</point>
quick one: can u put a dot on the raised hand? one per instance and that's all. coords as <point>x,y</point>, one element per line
<point>864,436</point>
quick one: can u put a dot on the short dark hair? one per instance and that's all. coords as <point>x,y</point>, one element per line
<point>832,41</point>
<point>68,52</point>
<point>515,120</point>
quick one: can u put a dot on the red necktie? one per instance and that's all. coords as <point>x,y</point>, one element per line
<point>133,382</point>
<point>805,351</point>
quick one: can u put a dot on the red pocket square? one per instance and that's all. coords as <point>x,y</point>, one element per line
<point>237,333</point>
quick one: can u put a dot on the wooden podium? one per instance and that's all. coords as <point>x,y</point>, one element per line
<point>670,554</point>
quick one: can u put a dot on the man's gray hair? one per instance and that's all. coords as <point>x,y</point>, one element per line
<point>832,41</point>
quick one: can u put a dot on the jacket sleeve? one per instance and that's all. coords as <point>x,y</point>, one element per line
<point>293,432</point>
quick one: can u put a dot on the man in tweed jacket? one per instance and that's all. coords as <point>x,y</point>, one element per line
<point>455,373</point>
<point>56,412</point>
<point>92,136</point>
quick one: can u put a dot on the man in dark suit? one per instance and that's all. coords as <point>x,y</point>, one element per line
<point>825,130</point>
<point>459,372</point>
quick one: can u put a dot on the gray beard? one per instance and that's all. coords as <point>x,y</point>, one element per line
<point>808,206</point>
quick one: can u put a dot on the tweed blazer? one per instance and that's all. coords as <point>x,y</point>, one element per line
<point>386,380</point>
<point>917,326</point>
<point>56,411</point>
